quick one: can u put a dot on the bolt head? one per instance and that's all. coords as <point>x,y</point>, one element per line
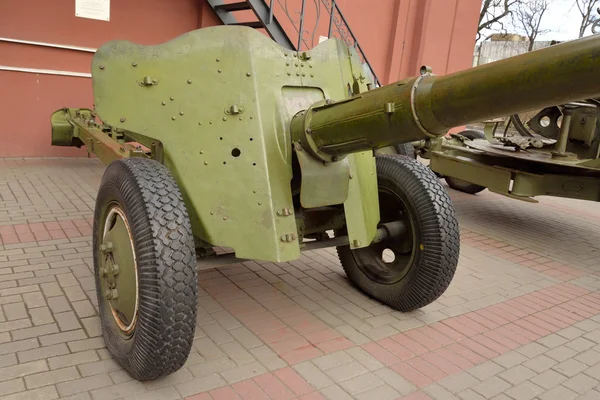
<point>123,119</point>
<point>248,74</point>
<point>134,64</point>
<point>115,294</point>
<point>189,81</point>
<point>164,103</point>
<point>180,112</point>
<point>102,67</point>
<point>116,269</point>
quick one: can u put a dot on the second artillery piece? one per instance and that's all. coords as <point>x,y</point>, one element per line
<point>221,137</point>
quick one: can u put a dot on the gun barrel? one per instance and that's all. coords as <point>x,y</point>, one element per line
<point>428,106</point>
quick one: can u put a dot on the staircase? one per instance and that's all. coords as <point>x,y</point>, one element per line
<point>264,18</point>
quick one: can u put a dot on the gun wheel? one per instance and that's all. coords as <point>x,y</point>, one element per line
<point>412,270</point>
<point>145,268</point>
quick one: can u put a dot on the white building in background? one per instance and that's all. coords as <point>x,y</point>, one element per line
<point>500,46</point>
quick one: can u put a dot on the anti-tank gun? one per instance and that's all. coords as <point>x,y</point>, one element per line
<point>239,143</point>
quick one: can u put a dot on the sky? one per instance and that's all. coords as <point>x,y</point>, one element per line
<point>563,19</point>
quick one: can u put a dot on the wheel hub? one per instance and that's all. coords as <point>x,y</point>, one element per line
<point>118,271</point>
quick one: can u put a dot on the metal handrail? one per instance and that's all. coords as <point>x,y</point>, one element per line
<point>336,20</point>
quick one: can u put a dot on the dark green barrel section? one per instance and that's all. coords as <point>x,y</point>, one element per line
<point>428,106</point>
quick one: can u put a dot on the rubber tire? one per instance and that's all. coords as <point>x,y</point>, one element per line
<point>166,259</point>
<point>430,276</point>
<point>406,149</point>
<point>459,184</point>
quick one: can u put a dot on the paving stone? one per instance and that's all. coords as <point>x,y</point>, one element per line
<point>361,383</point>
<point>73,359</point>
<point>486,370</point>
<point>12,386</point>
<point>51,377</point>
<point>118,391</point>
<point>41,316</point>
<point>459,382</point>
<point>559,393</point>
<point>437,392</point>
<point>581,383</point>
<point>199,385</point>
<point>510,359</point>
<point>243,372</point>
<point>517,374</point>
<point>549,379</point>
<point>561,353</point>
<point>36,331</point>
<point>491,387</point>
<point>20,370</point>
<point>384,392</point>
<point>335,392</point>
<point>313,375</point>
<point>524,391</point>
<point>45,393</point>
<point>42,352</point>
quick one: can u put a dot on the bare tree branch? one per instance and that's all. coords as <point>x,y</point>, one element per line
<point>586,8</point>
<point>528,17</point>
<point>492,14</point>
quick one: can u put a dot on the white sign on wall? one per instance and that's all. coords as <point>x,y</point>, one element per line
<point>94,9</point>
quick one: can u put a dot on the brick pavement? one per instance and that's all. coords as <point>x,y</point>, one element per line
<point>521,319</point>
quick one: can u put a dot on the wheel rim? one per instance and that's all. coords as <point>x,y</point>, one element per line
<point>118,270</point>
<point>390,260</point>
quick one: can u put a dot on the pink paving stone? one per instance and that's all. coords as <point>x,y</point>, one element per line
<point>490,344</point>
<point>85,230</point>
<point>322,336</point>
<point>502,313</point>
<point>578,310</point>
<point>249,390</point>
<point>529,298</point>
<point>9,238</point>
<point>224,393</point>
<point>313,396</point>
<point>90,221</point>
<point>21,228</point>
<point>522,340</point>
<point>408,343</point>
<point>7,230</point>
<point>304,328</point>
<point>541,323</point>
<point>440,363</point>
<point>52,226</point>
<point>518,306</point>
<point>423,340</point>
<point>37,227</point>
<point>278,334</point>
<point>81,223</point>
<point>447,331</point>
<point>201,396</point>
<point>66,224</point>
<point>59,234</point>
<point>491,316</point>
<point>26,237</point>
<point>510,310</point>
<point>459,327</point>
<point>72,232</point>
<point>467,353</point>
<point>584,305</point>
<point>340,343</point>
<point>380,353</point>
<point>550,296</point>
<point>499,338</point>
<point>524,301</point>
<point>287,311</point>
<point>287,345</point>
<point>412,375</point>
<point>273,387</point>
<point>478,348</point>
<point>426,368</point>
<point>532,327</point>
<point>481,320</point>
<point>42,235</point>
<point>435,335</point>
<point>294,381</point>
<point>454,358</point>
<point>520,330</point>
<point>544,316</point>
<point>395,348</point>
<point>302,354</point>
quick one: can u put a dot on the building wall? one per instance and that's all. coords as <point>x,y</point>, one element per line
<point>398,36</point>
